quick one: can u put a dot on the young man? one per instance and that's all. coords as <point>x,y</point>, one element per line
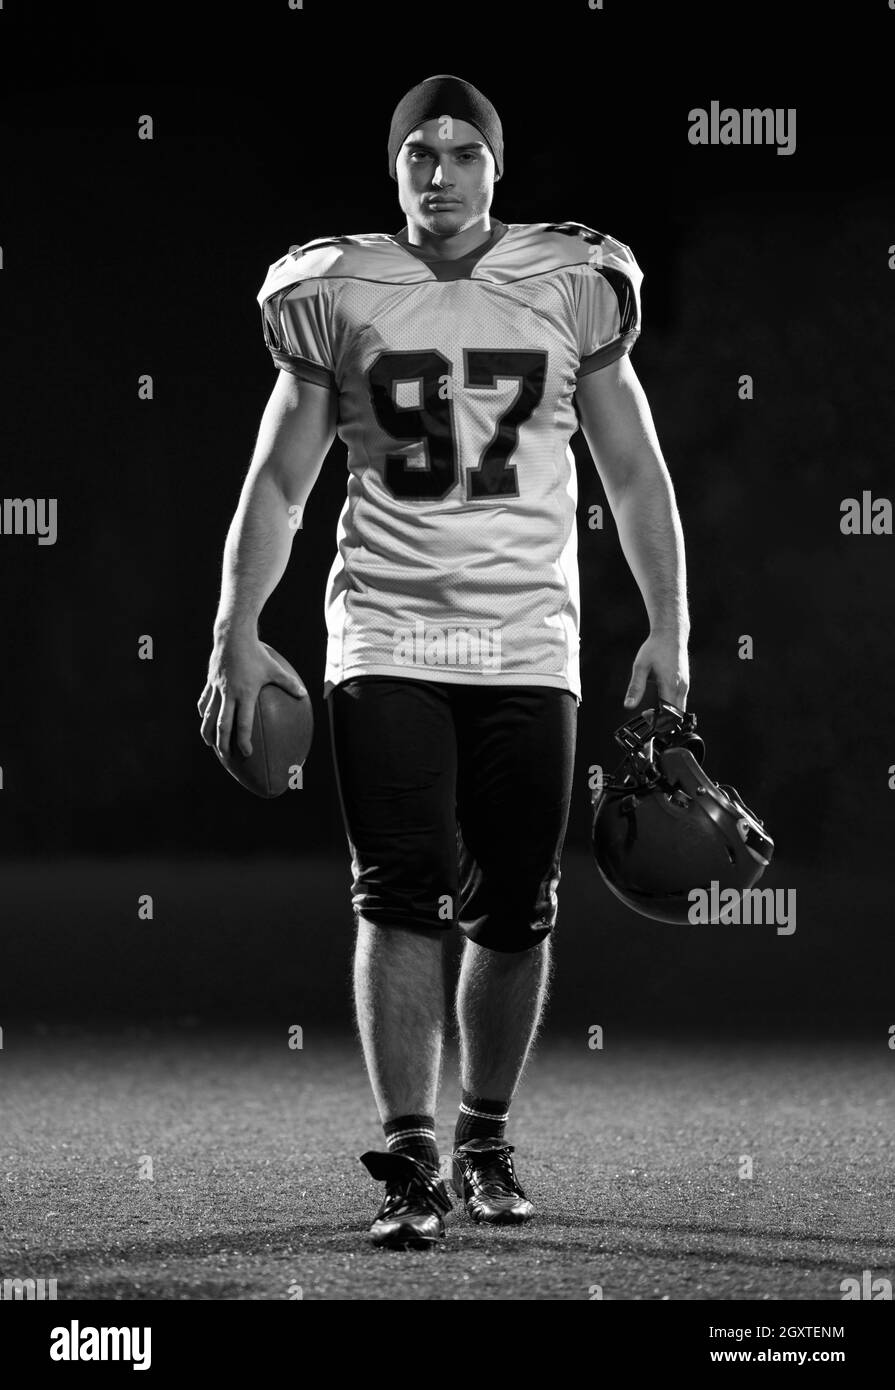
<point>457,358</point>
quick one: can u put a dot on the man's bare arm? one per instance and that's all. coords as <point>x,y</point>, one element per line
<point>618,426</point>
<point>294,437</point>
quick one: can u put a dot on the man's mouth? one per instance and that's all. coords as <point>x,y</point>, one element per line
<point>443,203</point>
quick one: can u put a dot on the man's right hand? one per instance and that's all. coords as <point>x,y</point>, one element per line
<point>239,666</point>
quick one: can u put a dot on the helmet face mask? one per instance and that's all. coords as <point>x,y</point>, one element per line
<point>662,827</point>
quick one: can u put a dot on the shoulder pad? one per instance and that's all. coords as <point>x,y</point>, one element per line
<point>364,257</point>
<point>597,248</point>
<point>301,249</point>
<point>540,248</point>
<point>576,229</point>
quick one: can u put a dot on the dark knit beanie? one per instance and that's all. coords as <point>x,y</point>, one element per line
<point>444,95</point>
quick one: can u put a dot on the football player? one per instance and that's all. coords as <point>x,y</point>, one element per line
<point>455,358</point>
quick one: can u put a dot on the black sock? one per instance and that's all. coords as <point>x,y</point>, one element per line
<point>480,1119</point>
<point>413,1135</point>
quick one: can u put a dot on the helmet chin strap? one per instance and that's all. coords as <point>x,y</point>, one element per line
<point>682,732</point>
<point>665,723</point>
<point>660,727</point>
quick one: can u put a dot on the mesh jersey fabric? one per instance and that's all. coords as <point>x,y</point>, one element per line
<point>457,545</point>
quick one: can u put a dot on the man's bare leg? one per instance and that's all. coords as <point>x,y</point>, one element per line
<point>399,999</point>
<point>400,1006</point>
<point>500,1001</point>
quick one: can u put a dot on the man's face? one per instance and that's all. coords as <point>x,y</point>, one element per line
<point>445,176</point>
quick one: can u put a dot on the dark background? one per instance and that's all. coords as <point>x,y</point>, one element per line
<point>124,257</point>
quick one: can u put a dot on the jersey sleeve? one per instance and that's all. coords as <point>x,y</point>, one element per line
<point>297,323</point>
<point>607,305</point>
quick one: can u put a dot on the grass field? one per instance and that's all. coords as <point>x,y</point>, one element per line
<point>631,1154</point>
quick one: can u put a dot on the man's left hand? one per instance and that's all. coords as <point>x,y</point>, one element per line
<point>664,657</point>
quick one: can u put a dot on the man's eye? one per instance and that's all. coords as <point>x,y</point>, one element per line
<point>465,155</point>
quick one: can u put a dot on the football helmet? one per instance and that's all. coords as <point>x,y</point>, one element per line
<point>662,827</point>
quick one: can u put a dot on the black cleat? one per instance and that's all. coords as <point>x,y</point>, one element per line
<point>485,1180</point>
<point>415,1202</point>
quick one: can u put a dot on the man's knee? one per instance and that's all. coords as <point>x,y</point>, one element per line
<point>373,922</point>
<point>508,931</point>
<point>505,909</point>
<point>419,911</point>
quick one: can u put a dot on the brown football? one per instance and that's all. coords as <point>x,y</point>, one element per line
<point>281,738</point>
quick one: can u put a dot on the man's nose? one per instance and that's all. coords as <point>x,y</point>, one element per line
<point>442,177</point>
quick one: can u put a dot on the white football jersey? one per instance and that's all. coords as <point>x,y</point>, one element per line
<point>457,545</point>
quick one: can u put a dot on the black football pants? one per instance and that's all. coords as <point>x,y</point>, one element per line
<point>455,800</point>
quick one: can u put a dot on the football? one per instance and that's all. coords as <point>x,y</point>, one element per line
<point>282,731</point>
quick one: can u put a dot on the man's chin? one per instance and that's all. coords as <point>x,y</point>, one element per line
<point>444,221</point>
